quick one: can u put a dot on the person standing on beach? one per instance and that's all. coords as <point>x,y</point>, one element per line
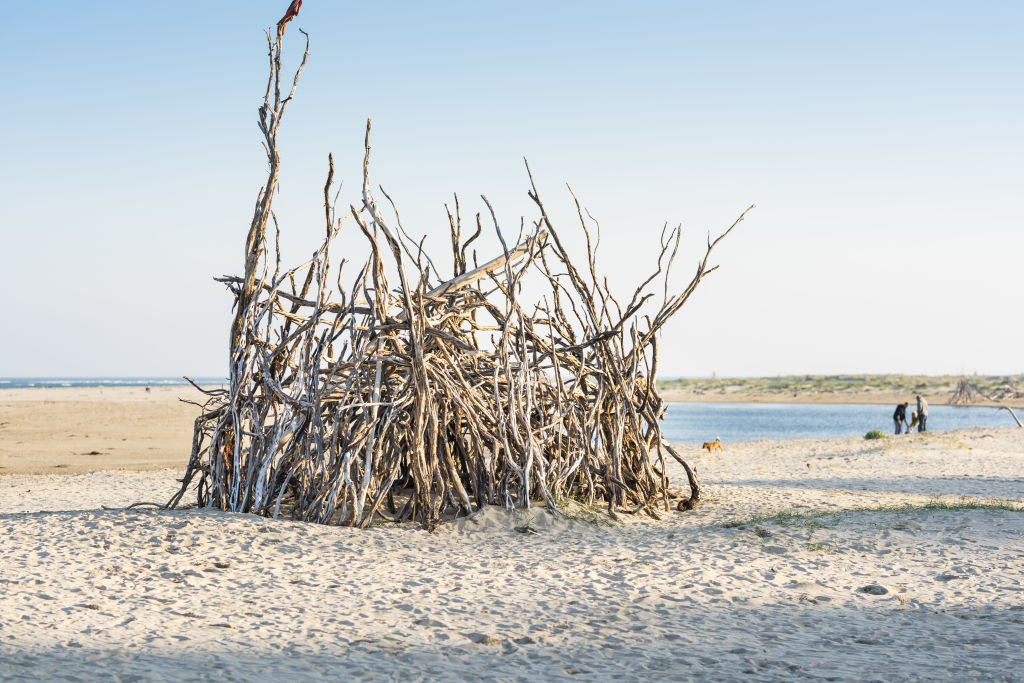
<point>900,416</point>
<point>922,412</point>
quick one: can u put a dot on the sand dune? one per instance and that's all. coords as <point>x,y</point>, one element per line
<point>837,591</point>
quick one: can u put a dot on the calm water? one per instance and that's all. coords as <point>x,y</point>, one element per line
<point>699,422</point>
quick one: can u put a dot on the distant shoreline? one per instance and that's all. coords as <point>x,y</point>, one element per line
<point>676,396</point>
<point>8,383</point>
<point>993,391</point>
<point>839,389</point>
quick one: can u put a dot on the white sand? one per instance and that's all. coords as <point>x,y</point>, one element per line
<point>88,593</point>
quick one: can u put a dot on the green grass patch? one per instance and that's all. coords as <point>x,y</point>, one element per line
<point>579,511</point>
<point>819,547</point>
<point>811,519</point>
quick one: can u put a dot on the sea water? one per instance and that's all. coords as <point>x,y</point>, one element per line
<point>699,422</point>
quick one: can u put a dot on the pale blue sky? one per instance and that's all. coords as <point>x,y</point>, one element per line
<point>883,143</point>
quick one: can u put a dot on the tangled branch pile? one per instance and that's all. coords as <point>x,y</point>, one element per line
<point>1007,390</point>
<point>396,392</point>
<point>965,393</point>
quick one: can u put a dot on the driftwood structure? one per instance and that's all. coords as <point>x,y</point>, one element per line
<point>389,390</point>
<point>965,393</point>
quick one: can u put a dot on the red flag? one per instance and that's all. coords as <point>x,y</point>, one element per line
<point>293,11</point>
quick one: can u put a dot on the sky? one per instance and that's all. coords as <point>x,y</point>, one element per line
<point>882,143</point>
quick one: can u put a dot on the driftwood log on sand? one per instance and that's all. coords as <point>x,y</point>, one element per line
<point>391,391</point>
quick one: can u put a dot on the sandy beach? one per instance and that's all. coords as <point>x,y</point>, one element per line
<point>844,559</point>
<point>539,264</point>
<point>68,430</point>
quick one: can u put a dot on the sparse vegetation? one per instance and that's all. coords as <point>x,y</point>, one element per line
<point>819,547</point>
<point>789,518</point>
<point>874,434</point>
<point>577,508</point>
<point>936,388</point>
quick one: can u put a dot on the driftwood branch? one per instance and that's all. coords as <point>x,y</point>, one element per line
<point>1014,415</point>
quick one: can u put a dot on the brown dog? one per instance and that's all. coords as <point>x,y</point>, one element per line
<point>712,446</point>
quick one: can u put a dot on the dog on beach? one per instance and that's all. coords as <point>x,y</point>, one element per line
<point>712,446</point>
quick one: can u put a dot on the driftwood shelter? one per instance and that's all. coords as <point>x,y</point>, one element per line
<point>393,390</point>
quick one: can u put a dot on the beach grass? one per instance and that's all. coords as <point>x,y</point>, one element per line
<point>843,385</point>
<point>818,519</point>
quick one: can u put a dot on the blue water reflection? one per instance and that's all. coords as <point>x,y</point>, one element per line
<point>699,422</point>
